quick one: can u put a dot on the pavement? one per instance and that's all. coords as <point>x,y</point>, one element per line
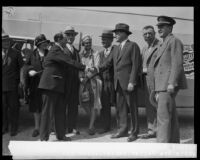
<point>186,122</point>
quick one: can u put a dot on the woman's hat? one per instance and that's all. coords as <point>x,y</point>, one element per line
<point>41,39</point>
<point>86,37</point>
<point>122,27</point>
<point>107,34</point>
<point>70,29</point>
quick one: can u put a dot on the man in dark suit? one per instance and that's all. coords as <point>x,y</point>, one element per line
<point>11,64</point>
<point>149,53</point>
<point>54,83</point>
<point>169,78</point>
<point>126,61</point>
<point>107,77</point>
<point>72,95</point>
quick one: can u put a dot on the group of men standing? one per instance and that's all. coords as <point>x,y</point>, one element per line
<point>160,66</point>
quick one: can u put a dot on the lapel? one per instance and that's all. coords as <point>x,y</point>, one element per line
<point>120,54</point>
<point>154,48</point>
<point>162,47</point>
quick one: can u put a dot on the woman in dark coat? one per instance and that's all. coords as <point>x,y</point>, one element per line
<point>34,70</point>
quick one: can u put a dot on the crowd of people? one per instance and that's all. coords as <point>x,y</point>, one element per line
<point>57,79</point>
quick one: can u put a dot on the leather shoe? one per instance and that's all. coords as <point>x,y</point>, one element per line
<point>91,131</point>
<point>146,136</point>
<point>118,135</point>
<point>13,133</point>
<point>132,138</point>
<point>35,133</point>
<point>104,130</point>
<point>64,139</point>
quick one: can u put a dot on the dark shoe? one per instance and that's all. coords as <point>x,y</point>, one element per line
<point>101,131</point>
<point>132,138</point>
<point>4,131</point>
<point>44,139</point>
<point>13,133</point>
<point>146,136</point>
<point>35,133</point>
<point>91,131</point>
<point>118,135</point>
<point>64,139</point>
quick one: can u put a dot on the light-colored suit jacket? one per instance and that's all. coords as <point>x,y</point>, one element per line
<point>150,61</point>
<point>169,65</point>
<point>126,64</point>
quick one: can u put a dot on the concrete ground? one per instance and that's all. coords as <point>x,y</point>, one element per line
<point>186,120</point>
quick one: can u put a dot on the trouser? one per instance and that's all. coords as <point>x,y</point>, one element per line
<point>11,105</point>
<point>127,99</point>
<point>167,120</point>
<point>54,107</point>
<point>150,109</point>
<point>72,115</point>
<point>106,108</point>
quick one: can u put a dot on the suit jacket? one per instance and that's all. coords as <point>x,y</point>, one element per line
<point>169,65</point>
<point>150,61</point>
<point>126,65</point>
<point>54,76</point>
<point>11,70</point>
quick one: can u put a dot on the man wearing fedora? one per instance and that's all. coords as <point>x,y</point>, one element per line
<point>53,84</point>
<point>169,79</point>
<point>73,81</point>
<point>12,62</point>
<point>126,61</point>
<point>107,77</point>
<point>149,53</point>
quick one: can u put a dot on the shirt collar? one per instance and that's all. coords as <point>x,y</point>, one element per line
<point>123,43</point>
<point>59,45</point>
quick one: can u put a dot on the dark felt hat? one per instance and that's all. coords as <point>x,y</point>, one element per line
<point>163,20</point>
<point>107,34</point>
<point>41,39</point>
<point>122,27</point>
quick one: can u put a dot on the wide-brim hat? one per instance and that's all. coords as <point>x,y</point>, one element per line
<point>122,27</point>
<point>70,29</point>
<point>165,20</point>
<point>152,99</point>
<point>41,39</point>
<point>107,34</point>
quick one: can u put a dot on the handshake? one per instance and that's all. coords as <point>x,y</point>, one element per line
<point>91,72</point>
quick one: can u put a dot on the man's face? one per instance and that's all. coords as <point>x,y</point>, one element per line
<point>5,43</point>
<point>88,44</point>
<point>164,30</point>
<point>106,42</point>
<point>69,37</point>
<point>43,46</point>
<point>120,36</point>
<point>149,35</point>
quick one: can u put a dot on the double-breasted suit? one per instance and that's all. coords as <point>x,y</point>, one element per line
<point>168,67</point>
<point>54,87</point>
<point>126,63</point>
<point>108,92</point>
<point>149,54</point>
<point>12,62</point>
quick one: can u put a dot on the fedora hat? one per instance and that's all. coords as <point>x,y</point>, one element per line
<point>4,36</point>
<point>152,99</point>
<point>122,27</point>
<point>70,29</point>
<point>163,20</point>
<point>40,39</point>
<point>107,34</point>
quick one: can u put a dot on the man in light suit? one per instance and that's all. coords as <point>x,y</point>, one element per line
<point>126,61</point>
<point>149,53</point>
<point>169,79</point>
<point>54,86</point>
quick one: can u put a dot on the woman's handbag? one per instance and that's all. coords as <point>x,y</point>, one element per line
<point>85,95</point>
